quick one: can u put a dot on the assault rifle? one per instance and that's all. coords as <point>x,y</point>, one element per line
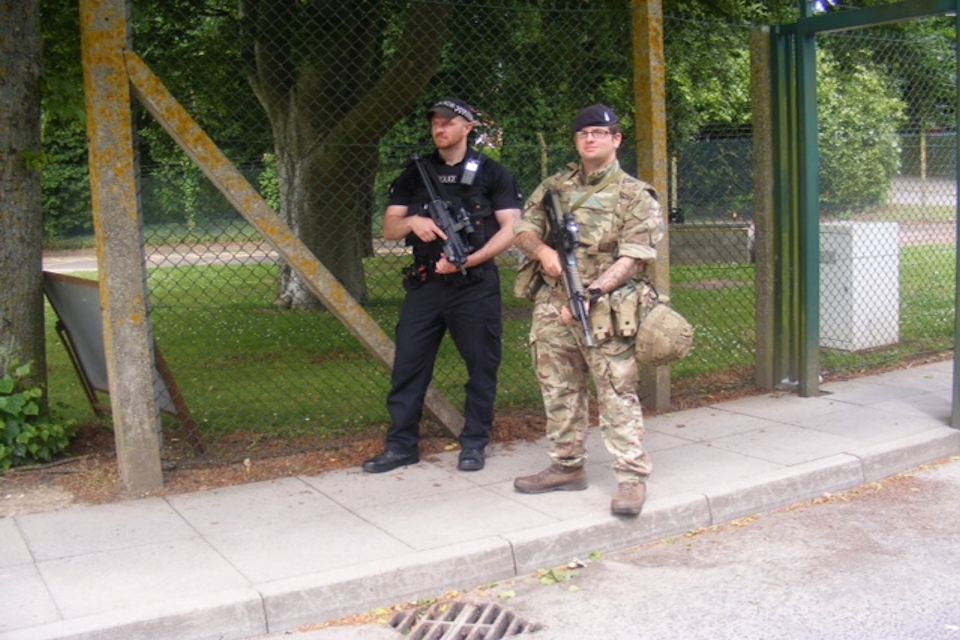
<point>565,236</point>
<point>456,226</point>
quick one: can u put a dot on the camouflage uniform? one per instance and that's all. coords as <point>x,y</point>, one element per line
<point>622,219</point>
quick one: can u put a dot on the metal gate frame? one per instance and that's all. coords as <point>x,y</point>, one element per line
<point>797,184</point>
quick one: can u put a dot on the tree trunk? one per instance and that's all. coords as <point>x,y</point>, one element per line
<point>21,227</point>
<point>330,97</point>
<point>323,196</point>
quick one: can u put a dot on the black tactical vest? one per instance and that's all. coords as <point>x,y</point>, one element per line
<point>469,197</point>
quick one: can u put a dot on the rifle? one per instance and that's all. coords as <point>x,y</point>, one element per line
<point>454,248</point>
<point>565,234</point>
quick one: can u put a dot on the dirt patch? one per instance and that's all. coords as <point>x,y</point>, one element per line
<point>88,473</point>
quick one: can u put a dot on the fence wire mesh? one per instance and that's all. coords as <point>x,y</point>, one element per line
<point>710,201</point>
<point>320,105</point>
<point>888,195</point>
<point>322,109</point>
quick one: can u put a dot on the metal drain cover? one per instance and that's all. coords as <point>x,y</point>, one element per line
<point>461,621</point>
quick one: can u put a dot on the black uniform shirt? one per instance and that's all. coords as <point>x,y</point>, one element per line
<point>496,185</point>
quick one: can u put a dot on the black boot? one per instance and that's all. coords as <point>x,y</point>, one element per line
<point>389,460</point>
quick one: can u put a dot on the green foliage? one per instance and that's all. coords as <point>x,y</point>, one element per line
<point>920,54</point>
<point>65,183</point>
<point>267,182</point>
<point>25,438</point>
<point>708,77</point>
<point>62,79</point>
<point>860,113</point>
<point>715,177</point>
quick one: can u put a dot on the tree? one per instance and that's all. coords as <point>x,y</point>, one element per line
<point>860,113</point>
<point>21,230</point>
<point>331,92</point>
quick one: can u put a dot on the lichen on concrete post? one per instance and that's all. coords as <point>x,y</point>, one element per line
<point>128,342</point>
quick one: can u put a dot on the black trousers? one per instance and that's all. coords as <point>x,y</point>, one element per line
<point>471,311</point>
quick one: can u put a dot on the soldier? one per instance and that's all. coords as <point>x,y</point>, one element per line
<point>620,224</point>
<point>439,296</point>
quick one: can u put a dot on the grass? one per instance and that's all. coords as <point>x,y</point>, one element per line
<point>245,367</point>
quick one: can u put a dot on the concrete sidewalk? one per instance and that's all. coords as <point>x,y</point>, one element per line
<point>261,558</point>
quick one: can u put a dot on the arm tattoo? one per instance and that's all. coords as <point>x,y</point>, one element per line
<point>528,242</point>
<point>617,274</point>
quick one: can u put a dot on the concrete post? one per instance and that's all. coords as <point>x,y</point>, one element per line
<point>650,128</point>
<point>127,337</point>
<point>761,88</point>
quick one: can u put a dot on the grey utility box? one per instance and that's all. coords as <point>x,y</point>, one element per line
<point>859,285</point>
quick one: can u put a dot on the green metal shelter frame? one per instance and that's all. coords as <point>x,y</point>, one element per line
<point>796,181</point>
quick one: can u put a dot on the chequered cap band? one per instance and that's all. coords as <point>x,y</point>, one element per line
<point>458,109</point>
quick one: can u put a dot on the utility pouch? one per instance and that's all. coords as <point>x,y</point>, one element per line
<point>624,305</point>
<point>601,319</point>
<point>648,299</point>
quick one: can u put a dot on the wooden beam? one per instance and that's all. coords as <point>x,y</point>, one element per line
<point>154,96</point>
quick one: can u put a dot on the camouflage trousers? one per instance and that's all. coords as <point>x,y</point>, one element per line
<point>564,367</point>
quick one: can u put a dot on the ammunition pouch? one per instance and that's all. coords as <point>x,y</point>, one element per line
<point>625,308</point>
<point>616,314</point>
<point>601,319</point>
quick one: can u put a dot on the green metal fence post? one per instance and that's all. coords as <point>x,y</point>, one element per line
<point>955,406</point>
<point>809,237</point>
<point>784,194</point>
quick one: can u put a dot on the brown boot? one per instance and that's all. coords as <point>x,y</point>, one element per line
<point>556,477</point>
<point>629,499</point>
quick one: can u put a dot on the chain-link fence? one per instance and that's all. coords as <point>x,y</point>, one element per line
<point>340,107</point>
<point>710,202</point>
<point>888,195</point>
<point>321,108</point>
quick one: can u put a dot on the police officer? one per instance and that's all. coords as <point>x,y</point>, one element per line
<point>619,225</point>
<point>439,296</point>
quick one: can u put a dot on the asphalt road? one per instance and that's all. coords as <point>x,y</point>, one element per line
<point>879,562</point>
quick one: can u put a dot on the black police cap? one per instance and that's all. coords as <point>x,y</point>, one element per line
<point>597,115</point>
<point>451,108</point>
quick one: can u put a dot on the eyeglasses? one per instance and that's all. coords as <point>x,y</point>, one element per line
<point>597,134</point>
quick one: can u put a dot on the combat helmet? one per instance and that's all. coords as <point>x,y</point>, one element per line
<point>664,337</point>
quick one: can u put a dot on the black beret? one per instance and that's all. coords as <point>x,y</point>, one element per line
<point>597,115</point>
<point>451,108</point>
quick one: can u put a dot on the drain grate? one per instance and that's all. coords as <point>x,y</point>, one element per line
<point>461,621</point>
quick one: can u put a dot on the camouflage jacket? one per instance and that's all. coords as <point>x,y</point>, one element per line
<point>622,219</point>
